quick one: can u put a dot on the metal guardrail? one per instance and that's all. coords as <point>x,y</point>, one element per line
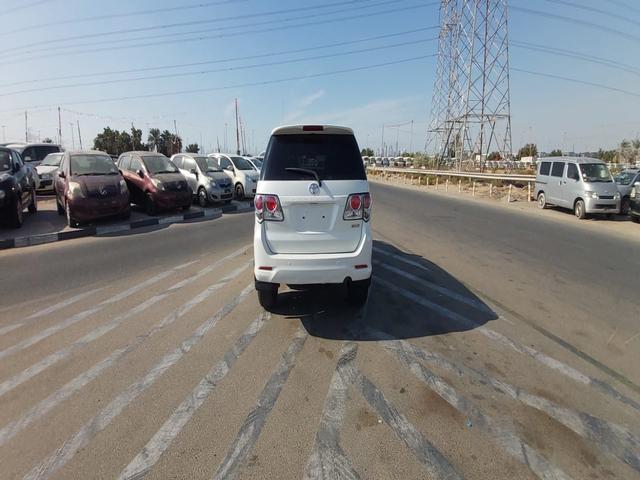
<point>445,173</point>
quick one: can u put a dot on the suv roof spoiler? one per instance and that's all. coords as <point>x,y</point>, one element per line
<point>316,129</point>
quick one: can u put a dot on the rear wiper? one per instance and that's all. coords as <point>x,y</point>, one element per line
<point>313,173</point>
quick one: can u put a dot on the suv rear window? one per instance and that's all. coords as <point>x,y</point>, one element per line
<point>333,157</point>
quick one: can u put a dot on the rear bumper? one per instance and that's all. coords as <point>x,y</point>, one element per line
<point>596,205</point>
<point>308,269</point>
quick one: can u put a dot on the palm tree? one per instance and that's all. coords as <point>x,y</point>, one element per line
<point>155,139</point>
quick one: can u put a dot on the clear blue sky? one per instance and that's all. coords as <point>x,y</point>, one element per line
<point>550,112</point>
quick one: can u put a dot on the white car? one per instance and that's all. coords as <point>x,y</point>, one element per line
<point>256,162</point>
<point>242,173</point>
<point>313,212</point>
<point>46,172</point>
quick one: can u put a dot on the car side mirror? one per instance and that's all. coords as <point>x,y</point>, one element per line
<point>61,174</point>
<point>141,173</point>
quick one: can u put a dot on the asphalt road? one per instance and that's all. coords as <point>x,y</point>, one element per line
<point>495,344</point>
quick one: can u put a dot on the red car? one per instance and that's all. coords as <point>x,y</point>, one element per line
<point>89,186</point>
<point>154,182</point>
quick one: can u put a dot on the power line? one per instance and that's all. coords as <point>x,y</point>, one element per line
<point>578,81</point>
<point>620,3</point>
<point>184,24</point>
<point>229,87</point>
<point>225,60</point>
<point>599,11</point>
<point>24,6</point>
<point>575,21</point>
<point>117,15</point>
<point>236,31</point>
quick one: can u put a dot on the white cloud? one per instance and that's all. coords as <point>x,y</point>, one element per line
<point>302,105</point>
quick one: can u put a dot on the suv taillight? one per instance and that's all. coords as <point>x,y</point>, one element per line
<point>358,207</point>
<point>268,208</point>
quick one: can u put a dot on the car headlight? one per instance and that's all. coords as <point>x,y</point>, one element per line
<point>159,185</point>
<point>75,190</point>
<point>123,186</point>
<point>616,196</point>
<point>591,194</point>
<point>2,194</point>
<point>45,176</point>
<point>633,193</point>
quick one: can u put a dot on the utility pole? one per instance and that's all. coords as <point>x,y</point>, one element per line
<point>226,149</point>
<point>4,133</point>
<point>26,127</point>
<point>218,142</point>
<point>73,140</point>
<point>59,127</point>
<point>411,138</point>
<point>237,130</point>
<point>382,144</point>
<point>79,135</point>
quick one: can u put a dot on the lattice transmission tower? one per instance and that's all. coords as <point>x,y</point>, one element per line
<point>471,108</point>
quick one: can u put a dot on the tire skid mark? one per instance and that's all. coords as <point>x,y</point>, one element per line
<point>40,409</point>
<point>543,358</point>
<point>255,421</point>
<point>101,330</point>
<point>504,435</point>
<point>161,440</point>
<point>63,454</point>
<point>328,461</point>
<point>613,439</point>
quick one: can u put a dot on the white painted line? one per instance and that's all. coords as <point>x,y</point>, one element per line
<point>503,434</point>
<point>467,300</point>
<point>67,450</point>
<point>402,259</point>
<point>44,406</point>
<point>255,421</point>
<point>10,328</point>
<point>161,440</point>
<point>64,303</point>
<point>328,460</point>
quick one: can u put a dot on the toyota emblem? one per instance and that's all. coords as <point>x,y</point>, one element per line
<point>103,192</point>
<point>314,189</point>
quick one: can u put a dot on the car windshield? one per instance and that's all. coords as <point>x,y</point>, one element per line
<point>52,160</point>
<point>625,178</point>
<point>257,162</point>
<point>330,156</point>
<point>242,163</point>
<point>159,164</point>
<point>207,164</point>
<point>5,161</point>
<point>595,172</point>
<point>92,165</point>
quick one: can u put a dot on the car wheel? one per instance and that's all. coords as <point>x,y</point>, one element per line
<point>150,206</point>
<point>72,222</point>
<point>17,218</point>
<point>580,210</point>
<point>358,292</point>
<point>203,198</point>
<point>624,206</point>
<point>268,298</point>
<point>239,192</point>
<point>33,206</point>
<point>635,218</point>
<point>542,201</point>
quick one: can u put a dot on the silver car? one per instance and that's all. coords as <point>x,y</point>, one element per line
<point>625,181</point>
<point>582,184</point>
<point>208,182</point>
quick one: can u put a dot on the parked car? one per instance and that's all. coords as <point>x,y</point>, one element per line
<point>89,186</point>
<point>634,202</point>
<point>206,179</point>
<point>582,184</point>
<point>17,188</point>
<point>154,182</point>
<point>34,153</point>
<point>625,180</point>
<point>313,212</point>
<point>47,171</point>
<point>256,162</point>
<point>242,173</point>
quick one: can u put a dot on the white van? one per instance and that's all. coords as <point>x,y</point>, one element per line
<point>313,212</point>
<point>582,184</point>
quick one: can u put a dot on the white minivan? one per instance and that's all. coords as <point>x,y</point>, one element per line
<point>312,213</point>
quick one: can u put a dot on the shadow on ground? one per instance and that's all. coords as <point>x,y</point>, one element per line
<point>402,303</point>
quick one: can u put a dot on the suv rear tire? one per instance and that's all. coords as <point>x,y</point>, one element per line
<point>268,297</point>
<point>358,292</point>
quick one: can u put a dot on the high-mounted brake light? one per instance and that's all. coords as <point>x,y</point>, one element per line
<point>358,207</point>
<point>268,208</point>
<point>312,128</point>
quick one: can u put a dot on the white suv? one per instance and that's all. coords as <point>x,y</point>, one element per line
<point>313,212</point>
